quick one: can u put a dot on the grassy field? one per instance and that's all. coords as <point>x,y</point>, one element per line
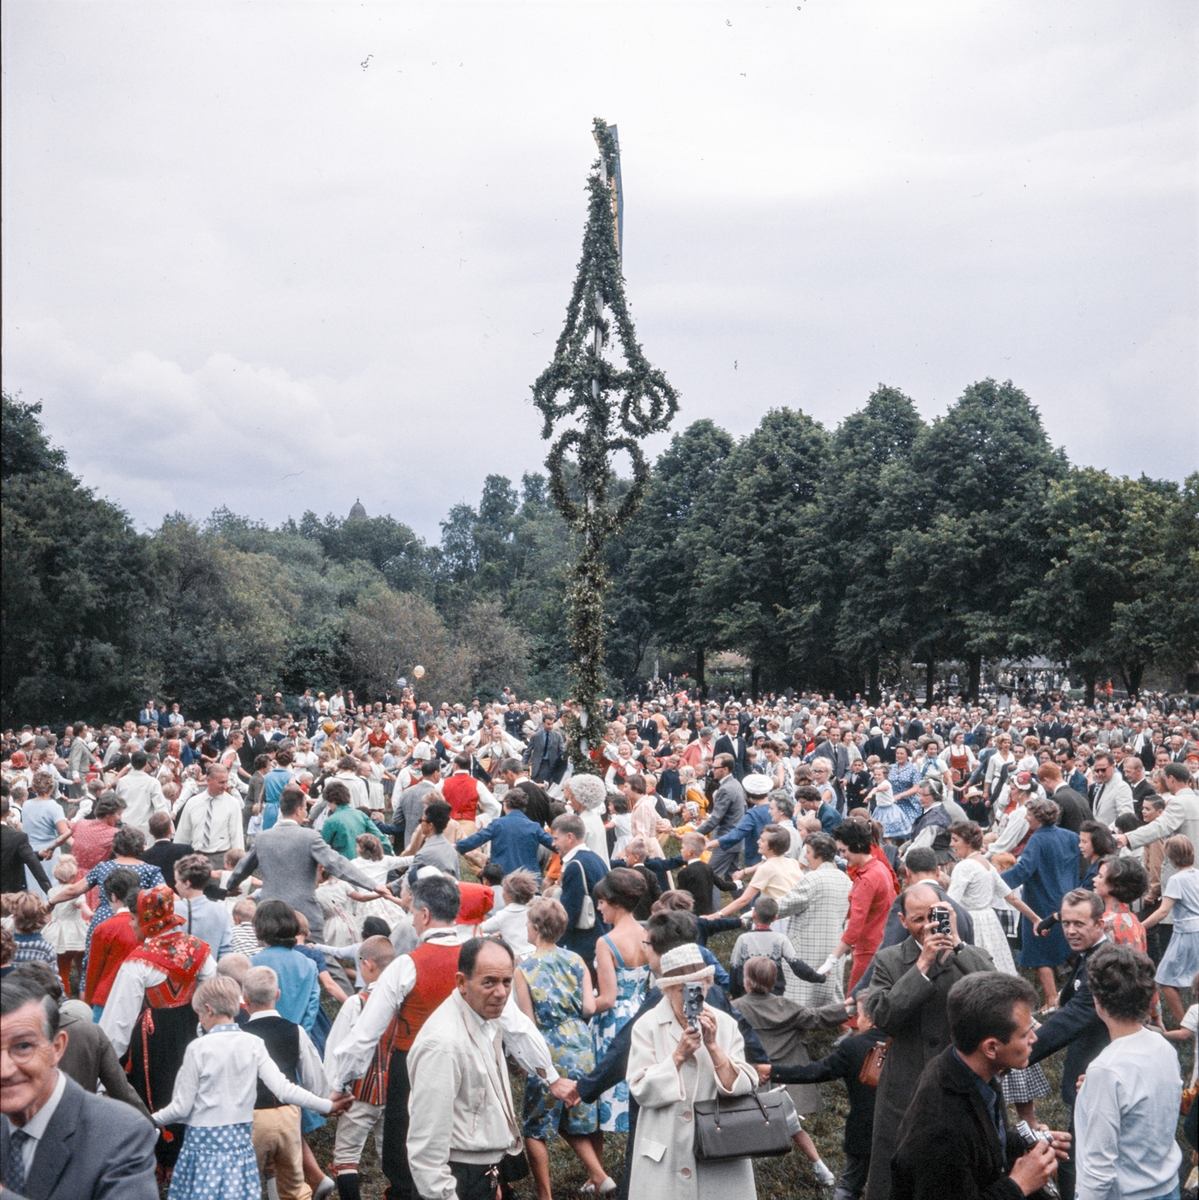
<point>777,1178</point>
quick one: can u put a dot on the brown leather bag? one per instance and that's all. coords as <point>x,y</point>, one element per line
<point>872,1068</point>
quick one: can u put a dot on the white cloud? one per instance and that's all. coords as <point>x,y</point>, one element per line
<point>241,269</point>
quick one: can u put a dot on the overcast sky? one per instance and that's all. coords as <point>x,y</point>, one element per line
<point>278,256</point>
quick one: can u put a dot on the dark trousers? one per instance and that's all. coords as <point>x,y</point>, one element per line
<point>853,1178</point>
<point>475,1182</point>
<point>395,1130</point>
<point>1066,1171</point>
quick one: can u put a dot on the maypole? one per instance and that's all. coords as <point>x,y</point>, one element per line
<point>615,407</point>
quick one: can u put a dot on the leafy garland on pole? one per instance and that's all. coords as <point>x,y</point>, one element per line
<point>615,408</point>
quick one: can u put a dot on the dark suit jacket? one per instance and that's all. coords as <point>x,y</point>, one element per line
<point>1075,809</point>
<point>15,855</point>
<point>1075,1025</point>
<point>738,748</point>
<point>164,854</point>
<point>883,745</point>
<point>581,941</point>
<point>547,756</point>
<point>948,1144</point>
<point>94,1149</point>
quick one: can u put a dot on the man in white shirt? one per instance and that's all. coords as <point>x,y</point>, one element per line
<point>463,1121</point>
<point>211,820</point>
<point>141,793</point>
<point>412,987</point>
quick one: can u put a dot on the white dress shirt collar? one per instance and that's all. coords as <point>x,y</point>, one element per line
<point>35,1128</point>
<point>266,1012</point>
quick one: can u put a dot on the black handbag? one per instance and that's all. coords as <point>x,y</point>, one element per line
<point>741,1127</point>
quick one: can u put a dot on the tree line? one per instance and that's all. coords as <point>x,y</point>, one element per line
<point>826,559</point>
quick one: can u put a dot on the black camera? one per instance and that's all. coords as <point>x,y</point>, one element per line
<point>938,917</point>
<point>693,1002</point>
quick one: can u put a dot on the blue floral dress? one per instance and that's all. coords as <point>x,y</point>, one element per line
<point>630,992</point>
<point>900,779</point>
<point>556,979</point>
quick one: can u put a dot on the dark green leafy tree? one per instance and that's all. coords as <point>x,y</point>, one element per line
<point>80,585</point>
<point>1114,579</point>
<point>615,406</point>
<point>968,513</point>
<point>673,536</point>
<point>766,503</point>
<point>847,606</point>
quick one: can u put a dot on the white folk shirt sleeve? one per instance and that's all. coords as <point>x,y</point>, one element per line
<point>310,1071</point>
<point>128,991</point>
<point>489,807</point>
<point>354,1054</point>
<point>523,1040</point>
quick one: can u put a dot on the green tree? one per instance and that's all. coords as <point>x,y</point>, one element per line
<point>766,499</point>
<point>672,537</point>
<point>1117,576</point>
<point>847,604</point>
<point>80,587</point>
<point>967,515</point>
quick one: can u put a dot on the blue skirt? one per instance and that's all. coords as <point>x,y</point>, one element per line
<point>1180,963</point>
<point>216,1163</point>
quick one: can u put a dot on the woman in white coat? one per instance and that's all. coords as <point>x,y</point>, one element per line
<point>670,1067</point>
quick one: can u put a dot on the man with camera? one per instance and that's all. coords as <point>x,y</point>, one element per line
<point>907,1001</point>
<point>955,1140</point>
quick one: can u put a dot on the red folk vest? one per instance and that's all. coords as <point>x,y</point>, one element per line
<point>461,793</point>
<point>436,965</point>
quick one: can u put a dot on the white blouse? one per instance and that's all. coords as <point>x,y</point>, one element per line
<point>218,1081</point>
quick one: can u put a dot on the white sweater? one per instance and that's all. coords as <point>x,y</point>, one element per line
<point>461,1103</point>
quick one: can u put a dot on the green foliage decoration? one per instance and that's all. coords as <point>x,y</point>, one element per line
<point>615,407</point>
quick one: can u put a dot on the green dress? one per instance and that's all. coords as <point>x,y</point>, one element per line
<point>556,979</point>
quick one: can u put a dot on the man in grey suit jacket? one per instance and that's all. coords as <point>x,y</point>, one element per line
<point>58,1142</point>
<point>79,758</point>
<point>1112,795</point>
<point>546,754</point>
<point>286,857</point>
<point>728,807</point>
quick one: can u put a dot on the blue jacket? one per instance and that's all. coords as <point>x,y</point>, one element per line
<point>584,863</point>
<point>829,817</point>
<point>1047,869</point>
<point>514,840</point>
<point>748,829</point>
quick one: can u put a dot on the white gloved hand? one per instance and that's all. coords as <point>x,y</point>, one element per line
<point>826,966</point>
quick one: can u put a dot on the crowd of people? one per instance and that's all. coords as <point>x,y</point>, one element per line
<point>424,923</point>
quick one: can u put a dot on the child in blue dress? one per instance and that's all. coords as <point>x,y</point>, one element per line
<point>214,1097</point>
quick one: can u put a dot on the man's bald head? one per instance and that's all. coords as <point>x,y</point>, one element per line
<point>919,899</point>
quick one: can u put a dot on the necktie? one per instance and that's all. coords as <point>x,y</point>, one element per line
<point>204,837</point>
<point>14,1168</point>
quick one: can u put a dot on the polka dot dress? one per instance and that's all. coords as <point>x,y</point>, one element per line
<point>216,1163</point>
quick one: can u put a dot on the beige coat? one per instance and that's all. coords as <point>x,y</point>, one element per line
<point>664,1165</point>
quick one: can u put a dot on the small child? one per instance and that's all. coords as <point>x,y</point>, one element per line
<point>231,859</point>
<point>214,1097</point>
<point>888,814</point>
<point>621,823</point>
<point>764,942</point>
<point>492,875</point>
<point>846,1061</point>
<point>29,914</point>
<point>696,876</point>
<point>66,930</point>
<point>370,1092</point>
<point>243,938</point>
<point>509,922</point>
